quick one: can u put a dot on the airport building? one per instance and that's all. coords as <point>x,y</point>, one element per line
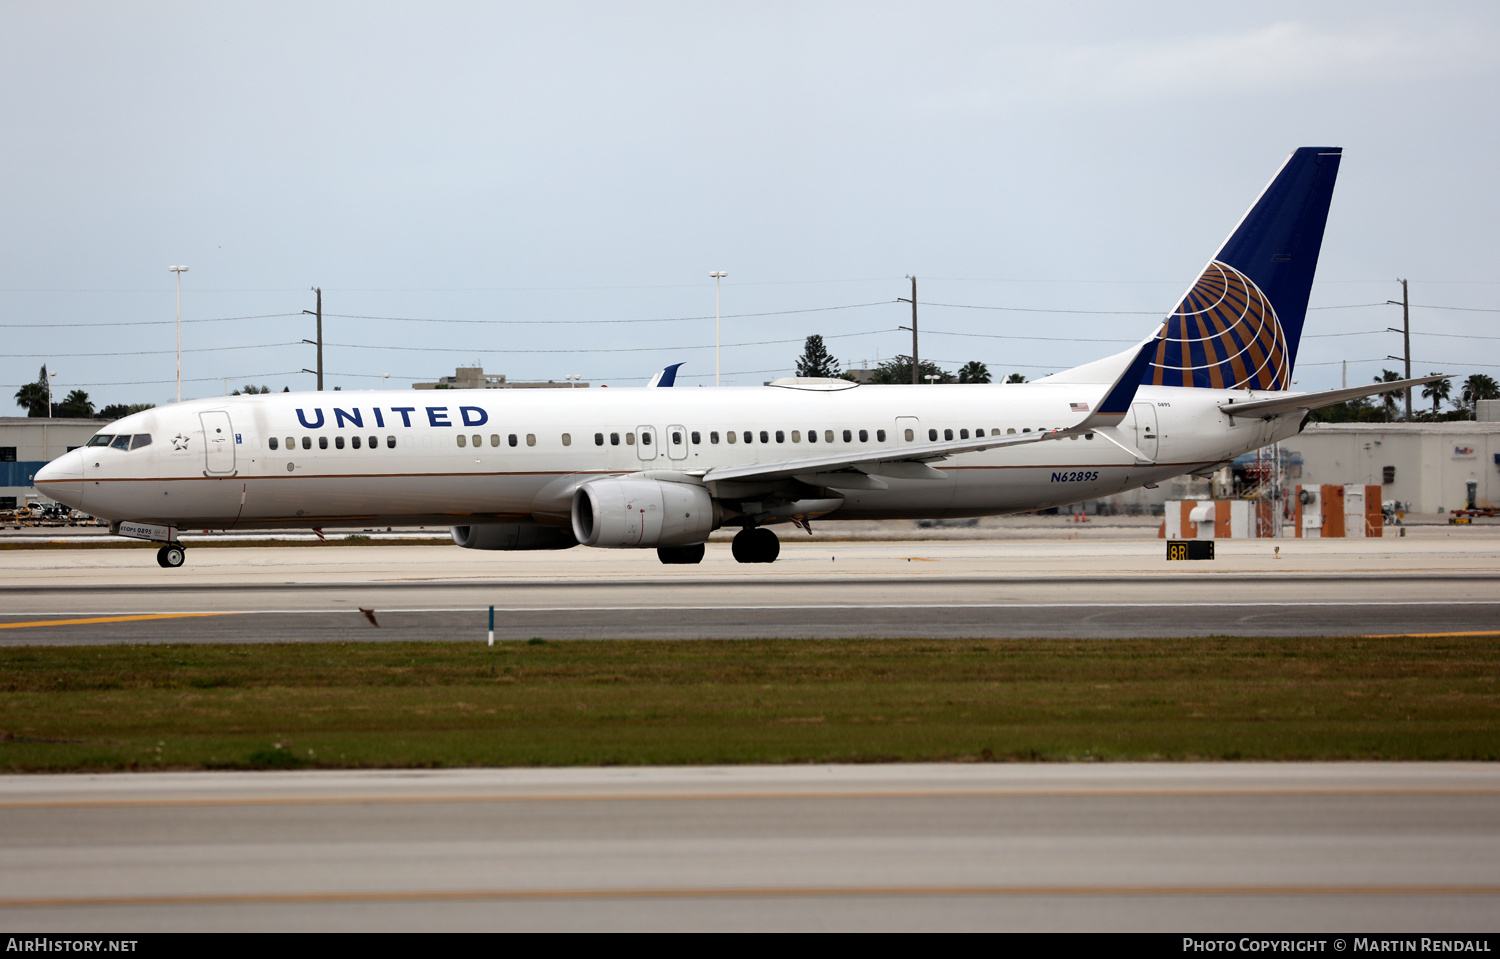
<point>1426,466</point>
<point>475,378</point>
<point>27,444</point>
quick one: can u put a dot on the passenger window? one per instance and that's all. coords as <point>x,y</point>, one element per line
<point>122,442</point>
<point>374,442</point>
<point>629,439</point>
<point>765,437</point>
<point>828,436</point>
<point>390,442</point>
<point>864,436</point>
<point>598,439</point>
<point>1088,436</point>
<point>1026,430</point>
<point>494,439</point>
<point>272,442</point>
<point>697,438</point>
<point>796,436</point>
<point>880,435</point>
<point>780,436</point>
<point>645,439</point>
<point>461,439</point>
<point>932,435</point>
<point>947,434</point>
<point>530,439</point>
<point>1010,431</point>
<point>322,442</point>
<point>963,434</point>
<point>614,439</point>
<point>567,439</point>
<point>749,437</point>
<point>511,439</point>
<point>354,441</point>
<point>732,437</point>
<point>338,441</point>
<point>812,436</point>
<point>848,436</point>
<point>910,436</point>
<point>477,440</point>
<point>713,437</point>
<point>676,438</point>
<point>307,442</point>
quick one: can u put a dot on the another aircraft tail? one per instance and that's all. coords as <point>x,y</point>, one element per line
<point>1239,325</point>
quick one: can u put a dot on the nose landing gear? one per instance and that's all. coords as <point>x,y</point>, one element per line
<point>755,545</point>
<point>171,556</point>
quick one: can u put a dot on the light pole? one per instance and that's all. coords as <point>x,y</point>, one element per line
<point>931,378</point>
<point>179,270</point>
<point>573,379</point>
<point>383,378</point>
<point>717,275</point>
<point>50,374</point>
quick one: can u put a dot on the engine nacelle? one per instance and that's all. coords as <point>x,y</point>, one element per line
<point>512,536</point>
<point>630,513</point>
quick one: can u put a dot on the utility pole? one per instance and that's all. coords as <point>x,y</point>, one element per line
<point>916,365</point>
<point>716,276</point>
<point>1405,331</point>
<point>319,343</point>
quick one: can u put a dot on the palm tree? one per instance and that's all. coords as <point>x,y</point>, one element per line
<point>1479,387</point>
<point>974,372</point>
<point>1015,378</point>
<point>1439,390</point>
<point>77,404</point>
<point>1389,401</point>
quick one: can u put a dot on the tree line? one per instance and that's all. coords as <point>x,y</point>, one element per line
<point>1391,407</point>
<point>76,405</point>
<point>817,361</point>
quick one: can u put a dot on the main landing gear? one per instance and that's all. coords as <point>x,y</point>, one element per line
<point>171,556</point>
<point>755,545</point>
<point>680,555</point>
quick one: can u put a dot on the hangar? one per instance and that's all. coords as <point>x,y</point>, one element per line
<point>28,443</point>
<point>1425,465</point>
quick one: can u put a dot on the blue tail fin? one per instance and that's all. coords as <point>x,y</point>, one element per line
<point>1238,327</point>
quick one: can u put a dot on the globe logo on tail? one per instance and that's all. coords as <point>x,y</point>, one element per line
<point>1223,335</point>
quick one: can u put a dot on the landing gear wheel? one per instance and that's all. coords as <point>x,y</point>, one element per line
<point>171,556</point>
<point>680,555</point>
<point>758,545</point>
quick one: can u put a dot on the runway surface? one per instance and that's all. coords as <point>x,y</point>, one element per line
<point>1243,847</point>
<point>1106,587</point>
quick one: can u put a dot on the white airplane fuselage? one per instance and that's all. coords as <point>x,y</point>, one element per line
<point>459,457</point>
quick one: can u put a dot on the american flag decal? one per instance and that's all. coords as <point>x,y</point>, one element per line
<point>1079,407</point>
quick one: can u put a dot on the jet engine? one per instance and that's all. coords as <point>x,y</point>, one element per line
<point>512,536</point>
<point>629,513</point>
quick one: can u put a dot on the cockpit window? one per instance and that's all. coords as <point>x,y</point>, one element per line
<point>122,442</point>
<point>140,439</point>
<point>101,439</point>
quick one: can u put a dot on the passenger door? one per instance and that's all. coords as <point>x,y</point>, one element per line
<point>1145,428</point>
<point>218,443</point>
<point>908,430</point>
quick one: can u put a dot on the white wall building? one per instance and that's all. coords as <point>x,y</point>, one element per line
<point>1427,465</point>
<point>27,443</point>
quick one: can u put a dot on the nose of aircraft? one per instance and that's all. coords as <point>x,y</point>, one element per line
<point>62,479</point>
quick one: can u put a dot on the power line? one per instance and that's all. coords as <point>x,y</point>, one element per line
<point>211,319</point>
<point>203,349</point>
<point>663,319</point>
<point>627,349</point>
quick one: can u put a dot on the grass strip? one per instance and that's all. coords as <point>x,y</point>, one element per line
<point>742,701</point>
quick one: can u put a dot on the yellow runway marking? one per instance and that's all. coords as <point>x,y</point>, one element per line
<point>747,892</point>
<point>744,795</point>
<point>107,619</point>
<point>1477,632</point>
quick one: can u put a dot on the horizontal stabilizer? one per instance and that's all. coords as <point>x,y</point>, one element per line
<point>1316,401</point>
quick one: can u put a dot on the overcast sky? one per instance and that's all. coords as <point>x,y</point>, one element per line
<point>526,167</point>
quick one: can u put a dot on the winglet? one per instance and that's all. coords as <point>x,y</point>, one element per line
<point>666,377</point>
<point>1117,399</point>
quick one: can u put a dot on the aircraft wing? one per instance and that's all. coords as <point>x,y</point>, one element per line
<point>1315,401</point>
<point>909,462</point>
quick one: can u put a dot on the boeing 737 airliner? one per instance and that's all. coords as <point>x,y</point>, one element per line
<point>662,468</point>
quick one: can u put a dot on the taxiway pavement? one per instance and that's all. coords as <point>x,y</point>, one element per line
<point>1189,847</point>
